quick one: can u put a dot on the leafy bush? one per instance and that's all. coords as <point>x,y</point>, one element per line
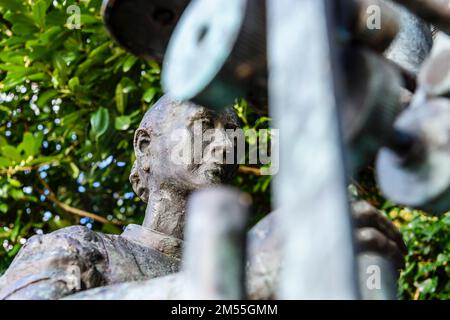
<point>70,100</point>
<point>427,272</point>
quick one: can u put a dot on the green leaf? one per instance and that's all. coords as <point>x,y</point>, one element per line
<point>24,29</point>
<point>28,144</point>
<point>11,153</point>
<point>75,170</point>
<point>12,5</point>
<point>15,183</point>
<point>428,286</point>
<point>4,163</point>
<point>38,76</point>
<point>45,97</point>
<point>3,141</point>
<point>100,122</point>
<point>3,207</point>
<point>16,194</point>
<point>42,160</point>
<point>12,80</point>
<point>60,65</point>
<point>120,98</point>
<point>129,62</point>
<point>87,19</point>
<point>5,109</point>
<point>16,229</point>
<point>122,123</point>
<point>14,250</point>
<point>38,12</point>
<point>74,83</point>
<point>128,85</point>
<point>99,50</point>
<point>149,95</point>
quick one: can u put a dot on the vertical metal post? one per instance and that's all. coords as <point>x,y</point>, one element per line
<point>214,256</point>
<point>319,260</point>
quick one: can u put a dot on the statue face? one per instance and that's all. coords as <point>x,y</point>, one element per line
<point>139,182</point>
<point>181,125</point>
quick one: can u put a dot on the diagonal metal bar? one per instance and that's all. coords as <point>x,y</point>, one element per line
<point>436,12</point>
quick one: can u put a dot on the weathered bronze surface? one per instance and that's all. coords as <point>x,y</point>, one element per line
<point>72,259</point>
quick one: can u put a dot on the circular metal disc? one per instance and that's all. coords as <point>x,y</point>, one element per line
<point>425,184</point>
<point>202,41</point>
<point>143,27</point>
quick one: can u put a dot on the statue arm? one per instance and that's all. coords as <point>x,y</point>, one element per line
<point>55,265</point>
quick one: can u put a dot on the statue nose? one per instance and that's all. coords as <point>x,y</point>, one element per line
<point>221,143</point>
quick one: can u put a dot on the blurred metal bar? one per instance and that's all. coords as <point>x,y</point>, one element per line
<point>436,12</point>
<point>412,44</point>
<point>319,260</point>
<point>214,256</point>
<point>377,277</point>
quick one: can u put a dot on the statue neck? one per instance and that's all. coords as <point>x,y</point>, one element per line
<point>165,211</point>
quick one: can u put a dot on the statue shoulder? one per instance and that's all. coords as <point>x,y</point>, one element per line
<point>70,241</point>
<point>52,265</point>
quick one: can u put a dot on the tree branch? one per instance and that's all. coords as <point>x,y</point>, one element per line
<point>250,170</point>
<point>82,213</point>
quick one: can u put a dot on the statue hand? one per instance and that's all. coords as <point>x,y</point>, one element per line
<point>376,233</point>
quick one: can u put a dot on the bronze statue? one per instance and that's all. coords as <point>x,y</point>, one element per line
<point>76,258</point>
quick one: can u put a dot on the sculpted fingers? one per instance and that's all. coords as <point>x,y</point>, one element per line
<point>366,216</point>
<point>372,240</point>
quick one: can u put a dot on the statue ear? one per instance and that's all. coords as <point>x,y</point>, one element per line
<point>142,141</point>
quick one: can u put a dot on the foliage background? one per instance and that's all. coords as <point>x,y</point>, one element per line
<point>70,100</point>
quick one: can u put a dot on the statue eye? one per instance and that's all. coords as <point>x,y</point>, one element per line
<point>206,123</point>
<point>230,126</point>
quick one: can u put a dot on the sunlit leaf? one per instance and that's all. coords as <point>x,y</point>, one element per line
<point>11,153</point>
<point>38,12</point>
<point>120,98</point>
<point>122,123</point>
<point>100,122</point>
<point>129,63</point>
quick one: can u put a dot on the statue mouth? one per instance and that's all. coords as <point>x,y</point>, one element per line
<point>215,172</point>
<point>141,192</point>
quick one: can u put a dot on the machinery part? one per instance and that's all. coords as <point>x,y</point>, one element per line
<point>374,90</point>
<point>412,44</point>
<point>434,78</point>
<point>436,12</point>
<point>419,176</point>
<point>319,260</point>
<point>143,27</point>
<point>217,53</point>
<point>376,37</point>
<point>214,263</point>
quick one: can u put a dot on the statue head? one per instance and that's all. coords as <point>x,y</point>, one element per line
<point>155,144</point>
